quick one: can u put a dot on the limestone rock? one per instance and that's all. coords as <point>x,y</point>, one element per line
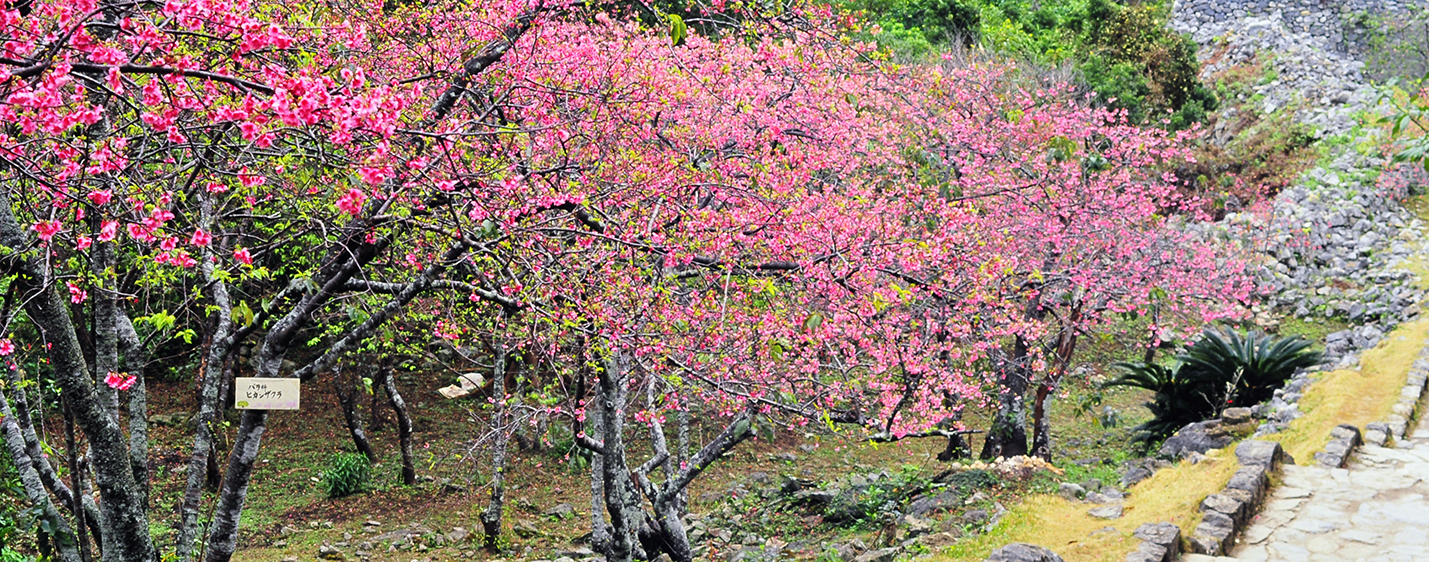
<point>1197,437</point>
<point>1020,552</point>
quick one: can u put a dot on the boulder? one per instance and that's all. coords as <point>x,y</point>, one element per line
<point>1110,511</point>
<point>880,555</point>
<point>1020,552</point>
<point>1197,437</point>
<point>925,504</point>
<point>1235,416</point>
<point>560,511</point>
<point>1071,492</point>
<point>1133,475</point>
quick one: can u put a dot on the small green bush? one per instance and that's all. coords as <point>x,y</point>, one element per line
<point>347,474</point>
<point>970,481</point>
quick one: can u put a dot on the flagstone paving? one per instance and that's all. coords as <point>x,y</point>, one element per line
<point>1376,510</point>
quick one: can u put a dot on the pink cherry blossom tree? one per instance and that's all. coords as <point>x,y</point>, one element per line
<point>768,222</point>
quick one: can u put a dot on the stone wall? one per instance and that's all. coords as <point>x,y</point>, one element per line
<point>1323,19</point>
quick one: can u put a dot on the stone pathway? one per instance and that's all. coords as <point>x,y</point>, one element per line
<point>1377,510</point>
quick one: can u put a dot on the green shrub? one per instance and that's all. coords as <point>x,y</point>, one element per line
<point>917,27</point>
<point>973,480</point>
<point>347,474</point>
<point>7,555</point>
<point>1223,369</point>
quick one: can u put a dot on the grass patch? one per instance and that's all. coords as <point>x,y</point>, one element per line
<point>1050,521</point>
<point>1314,330</point>
<point>1354,397</point>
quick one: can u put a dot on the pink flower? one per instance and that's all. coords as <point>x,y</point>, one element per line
<point>200,238</point>
<point>47,229</point>
<point>82,243</point>
<point>119,381</point>
<point>216,187</point>
<point>108,230</point>
<point>100,197</point>
<point>241,254</point>
<point>250,180</point>
<point>6,347</point>
<point>76,294</point>
<point>351,203</point>
<point>373,176</point>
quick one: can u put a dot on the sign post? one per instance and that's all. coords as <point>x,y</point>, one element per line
<point>255,393</point>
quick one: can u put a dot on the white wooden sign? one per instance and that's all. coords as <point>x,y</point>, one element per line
<point>253,393</point>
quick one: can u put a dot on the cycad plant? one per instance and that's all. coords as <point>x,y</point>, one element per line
<point>1222,370</point>
<point>1249,365</point>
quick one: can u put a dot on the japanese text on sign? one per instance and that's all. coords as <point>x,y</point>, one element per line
<point>251,393</point>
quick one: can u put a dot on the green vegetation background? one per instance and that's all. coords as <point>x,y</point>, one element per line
<point>1123,53</point>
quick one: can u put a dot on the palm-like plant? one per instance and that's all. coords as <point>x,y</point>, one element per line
<point>1177,401</point>
<point>1223,369</point>
<point>1250,366</point>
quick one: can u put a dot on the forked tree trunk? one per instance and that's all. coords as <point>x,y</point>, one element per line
<point>124,515</point>
<point>347,399</point>
<point>1062,359</point>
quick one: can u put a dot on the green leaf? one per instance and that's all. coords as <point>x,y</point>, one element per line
<point>677,30</point>
<point>243,314</point>
<point>813,322</point>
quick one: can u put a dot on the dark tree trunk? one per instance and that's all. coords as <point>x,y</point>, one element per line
<point>1007,437</point>
<point>347,399</point>
<point>378,404</point>
<point>223,538</point>
<point>30,480</point>
<point>203,461</point>
<point>404,426</point>
<point>1062,360</point>
<point>76,483</point>
<point>132,360</point>
<point>500,423</point>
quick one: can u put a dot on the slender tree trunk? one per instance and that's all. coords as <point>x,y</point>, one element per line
<point>132,360</point>
<point>404,427</point>
<point>225,392</point>
<point>347,399</point>
<point>76,482</point>
<point>491,517</point>
<point>599,530</point>
<point>30,480</point>
<point>375,409</point>
<point>223,538</point>
<point>221,342</point>
<point>40,461</point>
<point>1062,359</point>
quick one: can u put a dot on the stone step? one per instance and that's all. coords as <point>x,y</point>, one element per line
<point>1204,558</point>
